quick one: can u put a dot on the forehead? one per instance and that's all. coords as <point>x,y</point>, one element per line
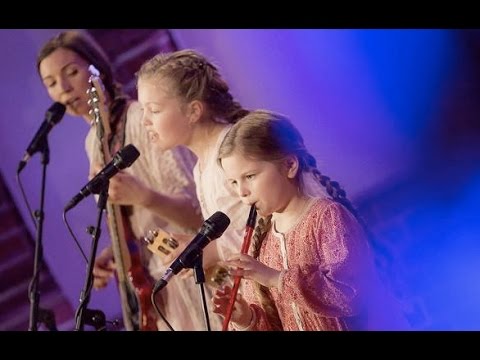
<point>236,164</point>
<point>152,88</point>
<point>59,59</point>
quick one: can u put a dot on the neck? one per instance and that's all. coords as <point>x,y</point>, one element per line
<point>289,216</point>
<point>204,138</point>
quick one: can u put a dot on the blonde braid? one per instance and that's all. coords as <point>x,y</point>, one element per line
<point>263,293</point>
<point>382,257</point>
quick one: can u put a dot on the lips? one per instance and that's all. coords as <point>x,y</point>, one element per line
<point>73,103</point>
<point>152,136</point>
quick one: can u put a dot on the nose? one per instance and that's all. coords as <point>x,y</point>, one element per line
<point>145,120</point>
<point>243,190</point>
<point>65,85</point>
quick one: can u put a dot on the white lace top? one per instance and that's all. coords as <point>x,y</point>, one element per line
<point>215,194</point>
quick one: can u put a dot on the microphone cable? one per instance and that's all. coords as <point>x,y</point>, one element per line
<point>65,221</point>
<point>157,309</point>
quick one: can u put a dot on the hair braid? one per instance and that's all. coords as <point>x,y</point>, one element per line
<point>192,77</point>
<point>382,257</point>
<point>263,293</point>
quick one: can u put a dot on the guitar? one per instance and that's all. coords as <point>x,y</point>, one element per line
<point>134,284</point>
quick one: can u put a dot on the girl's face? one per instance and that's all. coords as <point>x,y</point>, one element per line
<point>65,76</point>
<point>266,184</point>
<point>164,115</point>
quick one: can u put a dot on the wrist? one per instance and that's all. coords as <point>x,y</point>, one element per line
<point>275,279</point>
<point>148,197</point>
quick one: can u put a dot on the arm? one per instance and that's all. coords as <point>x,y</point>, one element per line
<point>176,208</point>
<point>125,189</point>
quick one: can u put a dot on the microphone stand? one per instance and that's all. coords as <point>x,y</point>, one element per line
<point>200,280</point>
<point>83,315</point>
<point>36,313</point>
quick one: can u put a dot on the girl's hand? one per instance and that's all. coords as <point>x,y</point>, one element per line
<point>247,267</point>
<point>124,189</point>
<point>241,314</point>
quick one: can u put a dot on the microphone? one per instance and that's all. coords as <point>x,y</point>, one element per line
<point>211,229</point>
<point>122,159</point>
<point>52,117</point>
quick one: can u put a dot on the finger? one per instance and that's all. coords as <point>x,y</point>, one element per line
<point>240,256</point>
<point>245,264</point>
<point>99,283</point>
<point>102,273</point>
<point>236,272</point>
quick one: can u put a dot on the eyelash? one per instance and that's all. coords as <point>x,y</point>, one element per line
<point>72,72</point>
<point>248,177</point>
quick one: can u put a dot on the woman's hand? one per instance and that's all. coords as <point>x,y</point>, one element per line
<point>103,269</point>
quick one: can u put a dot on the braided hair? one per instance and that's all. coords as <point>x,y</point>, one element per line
<point>192,77</point>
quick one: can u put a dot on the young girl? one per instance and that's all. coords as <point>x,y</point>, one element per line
<point>158,187</point>
<point>310,266</point>
<point>185,101</point>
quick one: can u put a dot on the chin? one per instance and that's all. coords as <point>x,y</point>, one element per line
<point>160,146</point>
<point>262,213</point>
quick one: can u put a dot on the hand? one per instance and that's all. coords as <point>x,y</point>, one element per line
<point>247,267</point>
<point>124,189</point>
<point>241,314</point>
<point>103,269</point>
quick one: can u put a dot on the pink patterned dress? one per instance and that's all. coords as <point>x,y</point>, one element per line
<point>328,280</point>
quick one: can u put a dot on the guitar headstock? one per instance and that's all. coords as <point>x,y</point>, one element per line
<point>98,104</point>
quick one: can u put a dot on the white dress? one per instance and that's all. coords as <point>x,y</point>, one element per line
<point>215,194</point>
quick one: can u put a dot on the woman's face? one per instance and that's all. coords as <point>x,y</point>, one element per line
<point>164,115</point>
<point>65,76</point>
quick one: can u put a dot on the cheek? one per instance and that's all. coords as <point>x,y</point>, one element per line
<point>54,94</point>
<point>171,131</point>
<point>81,86</point>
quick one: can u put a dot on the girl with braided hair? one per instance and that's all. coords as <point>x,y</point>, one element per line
<point>186,102</point>
<point>310,267</point>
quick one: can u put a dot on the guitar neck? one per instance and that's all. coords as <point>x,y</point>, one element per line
<point>120,249</point>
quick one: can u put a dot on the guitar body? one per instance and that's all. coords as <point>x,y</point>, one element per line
<point>134,283</point>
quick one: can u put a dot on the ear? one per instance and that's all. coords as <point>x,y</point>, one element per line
<point>195,111</point>
<point>291,166</point>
